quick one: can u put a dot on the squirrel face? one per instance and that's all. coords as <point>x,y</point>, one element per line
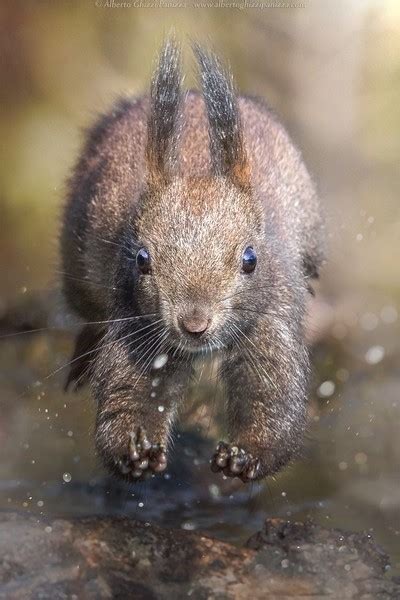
<point>199,250</point>
<point>196,237</point>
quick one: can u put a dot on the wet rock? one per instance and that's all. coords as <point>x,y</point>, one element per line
<point>339,564</point>
<point>96,558</point>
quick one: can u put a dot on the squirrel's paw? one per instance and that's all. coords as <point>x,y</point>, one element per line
<point>235,462</point>
<point>143,457</point>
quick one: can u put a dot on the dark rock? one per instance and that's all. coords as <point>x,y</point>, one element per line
<point>340,564</point>
<point>96,558</point>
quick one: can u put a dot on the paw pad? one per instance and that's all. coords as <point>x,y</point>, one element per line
<point>143,457</point>
<point>235,462</point>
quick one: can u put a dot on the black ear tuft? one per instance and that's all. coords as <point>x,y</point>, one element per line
<point>225,127</point>
<point>165,106</point>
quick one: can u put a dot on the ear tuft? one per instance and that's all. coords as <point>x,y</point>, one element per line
<point>225,128</point>
<point>165,108</point>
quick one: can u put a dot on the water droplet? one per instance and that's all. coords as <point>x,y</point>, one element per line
<point>140,504</point>
<point>40,503</point>
<point>67,477</point>
<point>70,433</point>
<point>389,314</point>
<point>48,529</point>
<point>214,490</point>
<point>160,361</point>
<point>189,526</point>
<point>361,458</point>
<point>285,563</point>
<point>161,408</point>
<point>374,355</point>
<point>326,389</point>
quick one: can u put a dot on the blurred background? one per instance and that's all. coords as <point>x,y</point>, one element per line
<point>332,73</point>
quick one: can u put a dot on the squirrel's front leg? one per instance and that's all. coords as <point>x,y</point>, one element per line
<point>137,393</point>
<point>266,381</point>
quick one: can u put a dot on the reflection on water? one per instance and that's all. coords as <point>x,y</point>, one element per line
<point>348,477</point>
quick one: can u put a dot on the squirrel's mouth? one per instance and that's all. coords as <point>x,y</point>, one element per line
<point>201,345</point>
<point>204,348</point>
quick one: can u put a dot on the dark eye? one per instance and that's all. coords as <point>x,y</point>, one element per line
<point>143,261</point>
<point>249,260</point>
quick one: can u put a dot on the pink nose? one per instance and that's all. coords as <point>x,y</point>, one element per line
<point>195,325</point>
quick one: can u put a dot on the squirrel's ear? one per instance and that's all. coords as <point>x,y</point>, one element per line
<point>165,108</point>
<point>228,153</point>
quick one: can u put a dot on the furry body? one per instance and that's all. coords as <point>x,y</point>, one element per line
<point>195,188</point>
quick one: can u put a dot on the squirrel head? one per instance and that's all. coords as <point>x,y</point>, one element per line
<point>197,238</point>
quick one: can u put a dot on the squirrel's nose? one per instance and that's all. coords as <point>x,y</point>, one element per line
<point>194,324</point>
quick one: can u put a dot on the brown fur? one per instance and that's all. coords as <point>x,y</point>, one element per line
<point>195,222</point>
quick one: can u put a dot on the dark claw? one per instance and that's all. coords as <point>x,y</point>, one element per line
<point>222,460</point>
<point>143,458</point>
<point>161,465</point>
<point>233,461</point>
<point>143,440</point>
<point>133,452</point>
<point>237,464</point>
<point>143,464</point>
<point>252,470</point>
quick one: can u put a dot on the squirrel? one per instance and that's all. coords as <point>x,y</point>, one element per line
<point>192,226</point>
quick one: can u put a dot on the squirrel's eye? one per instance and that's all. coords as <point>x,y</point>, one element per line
<point>143,260</point>
<point>249,260</point>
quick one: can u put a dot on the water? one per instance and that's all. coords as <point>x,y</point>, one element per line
<point>348,477</point>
